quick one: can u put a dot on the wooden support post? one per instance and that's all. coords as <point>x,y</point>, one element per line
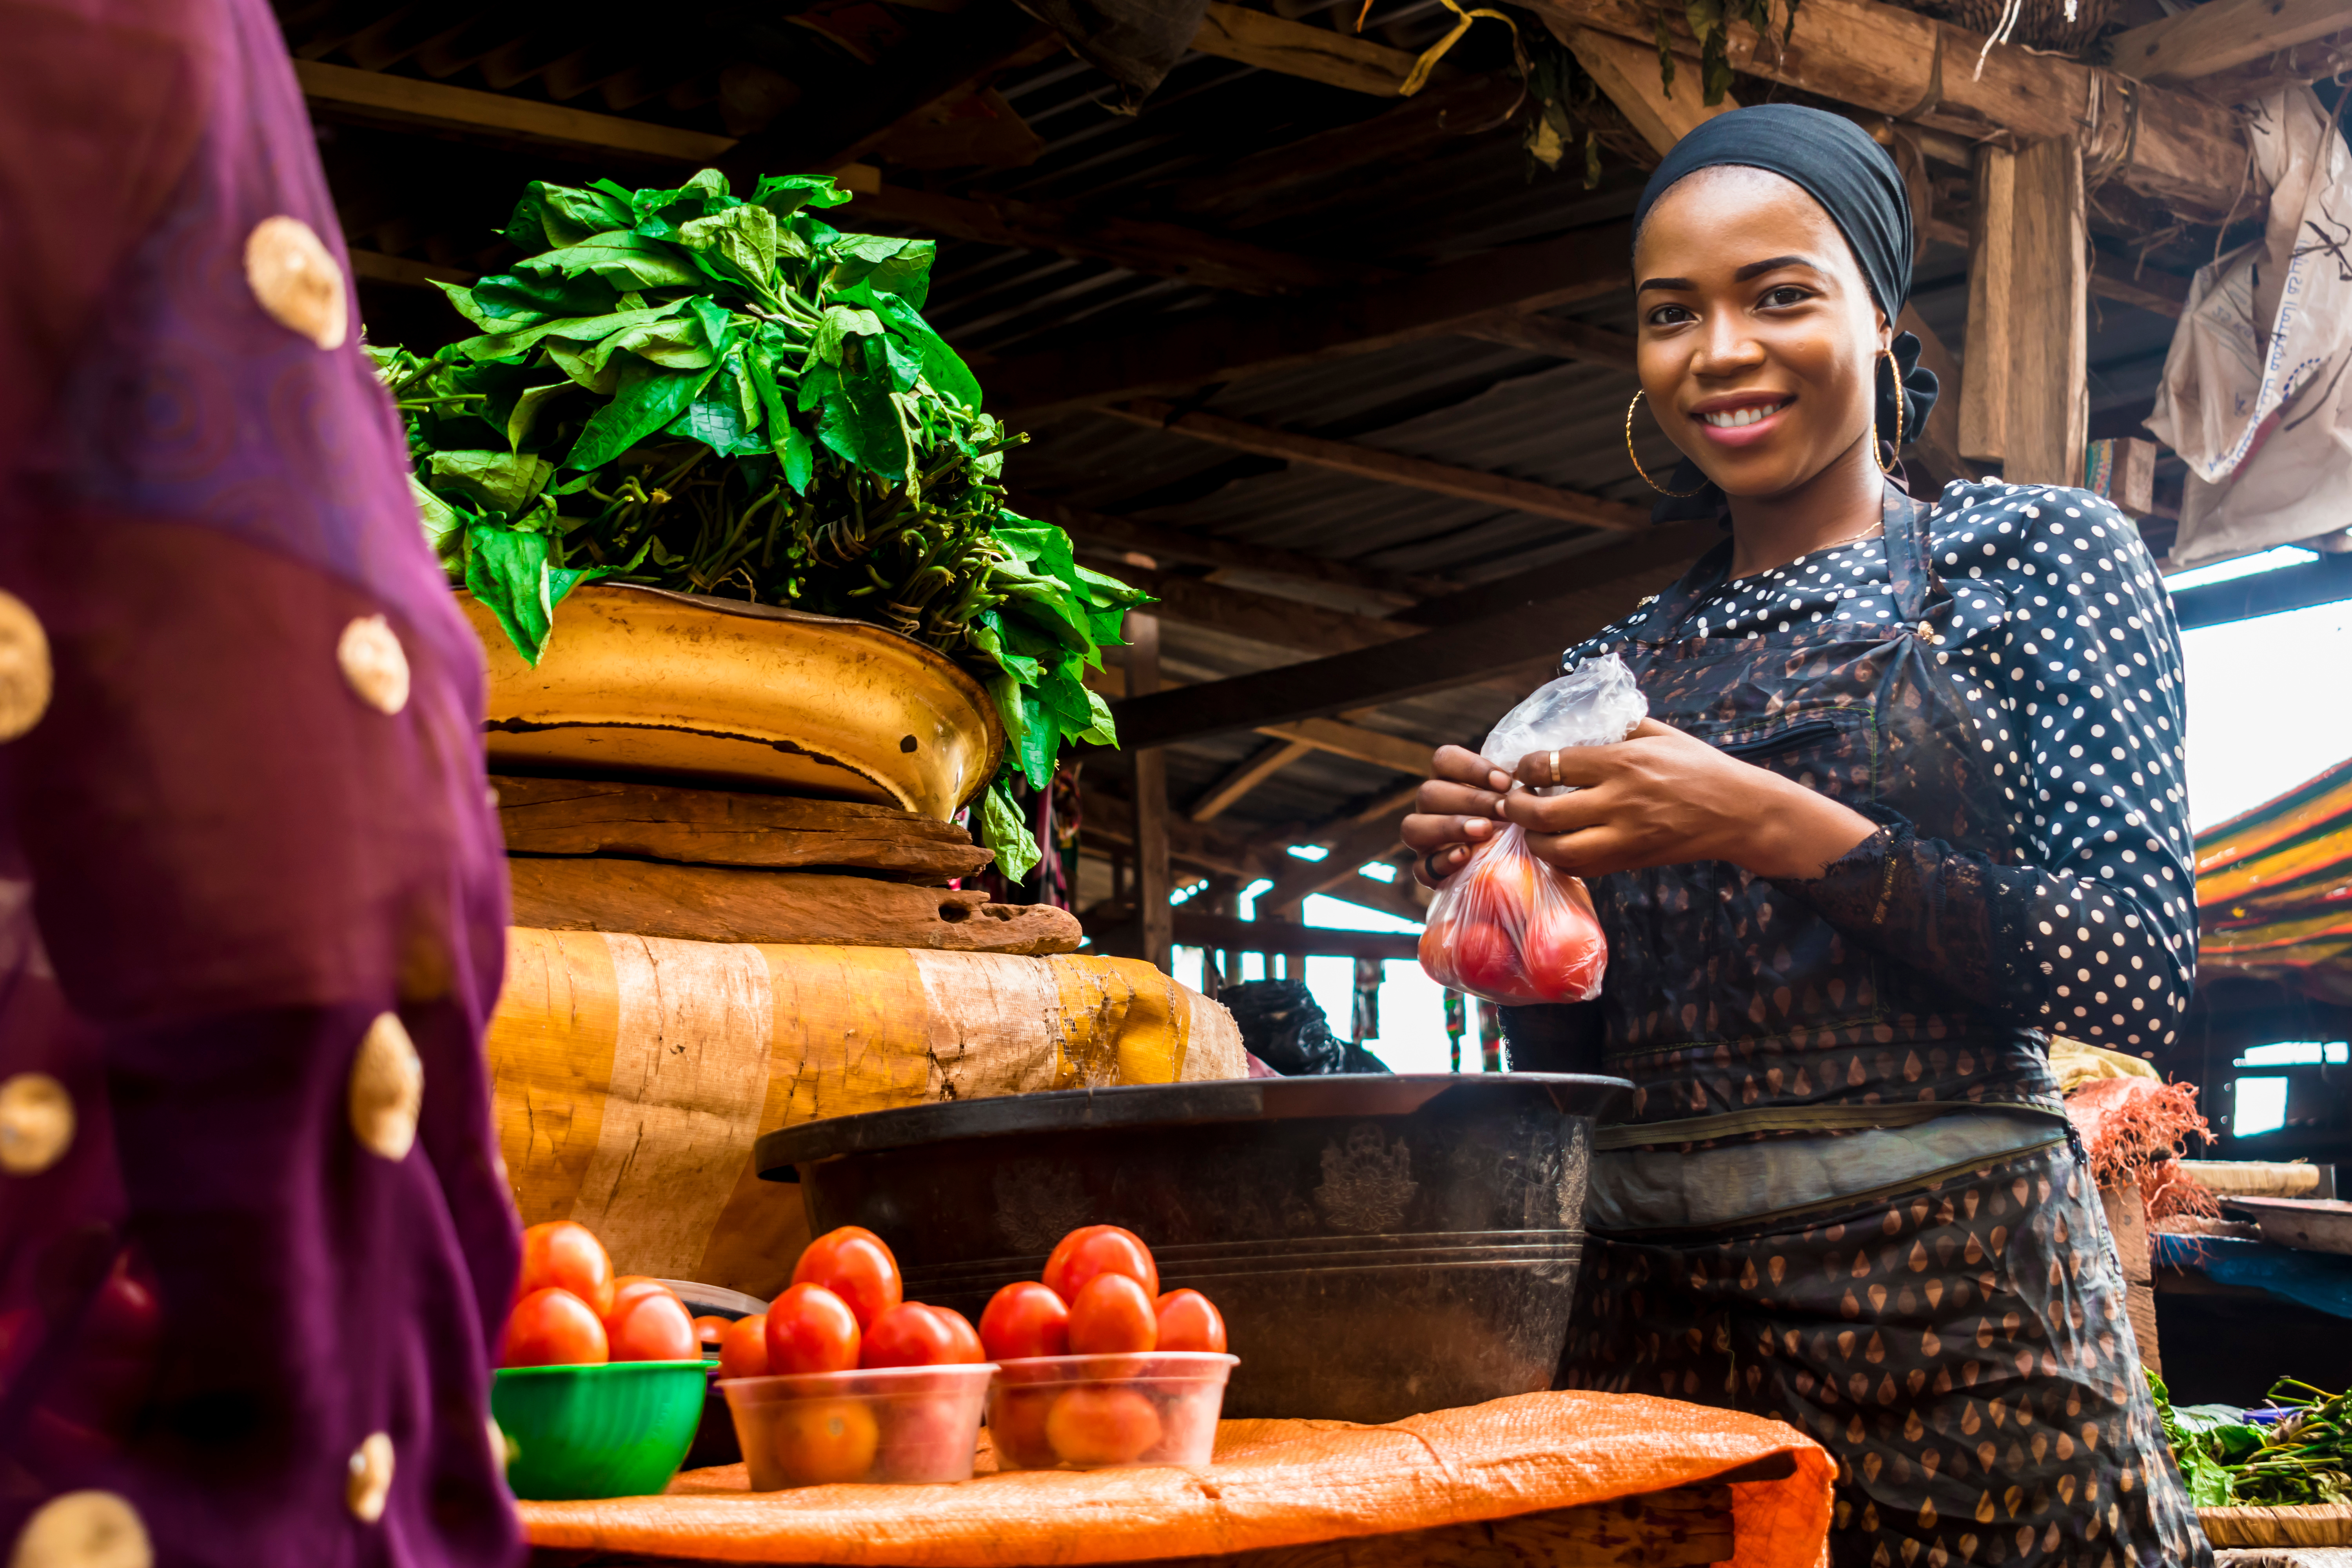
<point>2025,402</point>
<point>1151,875</point>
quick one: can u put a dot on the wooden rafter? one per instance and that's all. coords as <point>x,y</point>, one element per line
<point>1628,73</point>
<point>1390,467</point>
<point>1254,771</point>
<point>1082,370</point>
<point>1267,618</point>
<point>1568,603</point>
<point>1464,106</point>
<point>1156,249</point>
<point>1301,49</point>
<point>1543,334</point>
<point>1367,839</point>
<point>2163,142</point>
<point>407,100</point>
<point>1118,533</point>
<point>2223,34</point>
<point>1355,742</point>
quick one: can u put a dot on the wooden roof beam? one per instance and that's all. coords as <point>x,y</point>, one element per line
<point>1177,354</point>
<point>2160,142</point>
<point>1543,334</point>
<point>1499,490</point>
<point>1562,605</point>
<point>1166,543</point>
<point>1267,618</point>
<point>1302,49</point>
<point>1254,771</point>
<point>1155,249</point>
<point>2223,34</point>
<point>372,95</point>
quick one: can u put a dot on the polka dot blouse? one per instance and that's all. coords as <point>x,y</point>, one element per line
<point>2060,640</point>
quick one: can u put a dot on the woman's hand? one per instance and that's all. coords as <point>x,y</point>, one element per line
<point>1661,797</point>
<point>1456,813</point>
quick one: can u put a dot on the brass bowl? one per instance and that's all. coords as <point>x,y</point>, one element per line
<point>646,682</point>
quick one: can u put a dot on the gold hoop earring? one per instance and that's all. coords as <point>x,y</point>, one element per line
<point>1637,461</point>
<point>1895,368</point>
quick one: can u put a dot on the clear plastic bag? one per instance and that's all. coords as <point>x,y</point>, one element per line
<point>1508,928</point>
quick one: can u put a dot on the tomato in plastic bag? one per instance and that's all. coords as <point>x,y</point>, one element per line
<point>1511,930</point>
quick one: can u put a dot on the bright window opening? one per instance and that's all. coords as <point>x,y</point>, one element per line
<point>2261,1106</point>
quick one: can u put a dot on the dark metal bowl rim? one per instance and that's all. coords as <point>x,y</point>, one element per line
<point>780,1153</point>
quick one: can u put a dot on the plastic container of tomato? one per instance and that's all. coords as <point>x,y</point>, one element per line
<point>1096,1412</point>
<point>900,1424</point>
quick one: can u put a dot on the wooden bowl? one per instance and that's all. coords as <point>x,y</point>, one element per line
<point>644,682</point>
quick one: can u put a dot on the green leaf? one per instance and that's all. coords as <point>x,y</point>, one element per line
<point>1003,830</point>
<point>743,237</point>
<point>658,215</point>
<point>856,416</point>
<point>462,296</point>
<point>784,194</point>
<point>841,322</point>
<point>517,301</point>
<point>941,365</point>
<point>1104,731</point>
<point>800,457</point>
<point>884,263</point>
<point>444,525</point>
<point>577,329</point>
<point>526,411</point>
<point>620,257</point>
<point>496,481</point>
<point>647,398</point>
<point>718,423</point>
<point>550,216</point>
<point>506,569</point>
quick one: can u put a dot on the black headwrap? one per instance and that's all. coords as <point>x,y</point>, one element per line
<point>1834,162</point>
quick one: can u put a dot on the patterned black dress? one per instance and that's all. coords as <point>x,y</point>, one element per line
<point>1844,1192</point>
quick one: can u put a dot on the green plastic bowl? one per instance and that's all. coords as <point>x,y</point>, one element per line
<point>618,1430</point>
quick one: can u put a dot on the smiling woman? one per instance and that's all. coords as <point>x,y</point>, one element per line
<point>1908,800</point>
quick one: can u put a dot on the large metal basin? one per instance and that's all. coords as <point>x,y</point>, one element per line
<point>1379,1246</point>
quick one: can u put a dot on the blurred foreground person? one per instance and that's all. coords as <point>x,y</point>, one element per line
<point>254,1240</point>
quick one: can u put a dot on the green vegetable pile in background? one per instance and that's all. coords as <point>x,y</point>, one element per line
<point>688,390</point>
<point>2227,1460</point>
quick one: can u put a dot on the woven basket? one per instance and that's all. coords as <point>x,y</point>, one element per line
<point>2318,1524</point>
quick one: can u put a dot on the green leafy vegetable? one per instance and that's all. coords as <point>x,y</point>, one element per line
<point>2226,1458</point>
<point>683,388</point>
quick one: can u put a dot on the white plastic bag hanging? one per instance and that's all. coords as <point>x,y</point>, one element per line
<point>2256,397</point>
<point>1508,928</point>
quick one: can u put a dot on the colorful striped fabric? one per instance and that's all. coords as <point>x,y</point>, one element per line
<point>2275,889</point>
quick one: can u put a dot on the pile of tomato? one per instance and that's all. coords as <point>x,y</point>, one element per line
<point>1100,1298</point>
<point>568,1309</point>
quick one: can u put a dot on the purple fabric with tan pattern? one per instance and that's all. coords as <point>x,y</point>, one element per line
<point>222,859</point>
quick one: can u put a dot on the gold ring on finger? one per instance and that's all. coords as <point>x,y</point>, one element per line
<point>1555,767</point>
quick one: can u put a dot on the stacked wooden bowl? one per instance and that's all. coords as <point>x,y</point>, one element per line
<point>729,830</point>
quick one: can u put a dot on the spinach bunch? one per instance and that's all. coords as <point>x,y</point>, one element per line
<point>2227,1460</point>
<point>720,395</point>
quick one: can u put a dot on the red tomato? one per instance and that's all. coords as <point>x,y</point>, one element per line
<point>1016,1426</point>
<point>652,1328</point>
<point>1102,1425</point>
<point>553,1327</point>
<point>743,1348</point>
<point>1189,1321</point>
<point>1112,1316</point>
<point>566,1255</point>
<point>1436,955</point>
<point>855,1265</point>
<point>1099,1250</point>
<point>1025,1319</point>
<point>711,1331</point>
<point>628,1290</point>
<point>911,1334</point>
<point>822,1441</point>
<point>1566,953</point>
<point>1485,961</point>
<point>809,1328</point>
<point>969,1351</point>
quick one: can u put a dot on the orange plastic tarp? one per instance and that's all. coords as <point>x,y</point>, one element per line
<point>1274,1484</point>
